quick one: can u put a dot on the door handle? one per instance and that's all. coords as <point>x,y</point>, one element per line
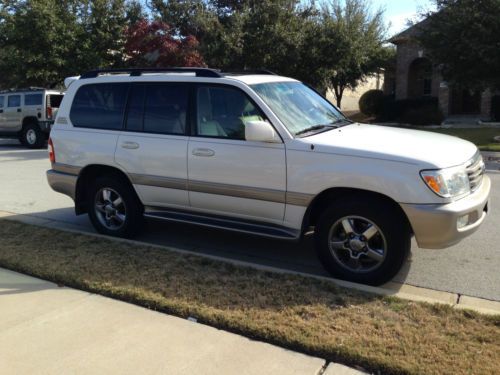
<point>203,152</point>
<point>1,110</point>
<point>19,110</point>
<point>130,145</point>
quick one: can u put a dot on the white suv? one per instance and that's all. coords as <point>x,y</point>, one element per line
<point>262,154</point>
<point>28,114</point>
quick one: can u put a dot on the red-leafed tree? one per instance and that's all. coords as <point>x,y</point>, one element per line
<point>154,44</point>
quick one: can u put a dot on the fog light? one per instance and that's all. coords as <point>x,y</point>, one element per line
<point>462,221</point>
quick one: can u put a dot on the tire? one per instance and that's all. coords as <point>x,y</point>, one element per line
<point>32,137</point>
<point>363,240</point>
<point>123,219</point>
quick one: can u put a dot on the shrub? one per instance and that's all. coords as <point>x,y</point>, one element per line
<point>371,102</point>
<point>420,111</point>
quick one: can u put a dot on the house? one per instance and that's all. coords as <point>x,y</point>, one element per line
<point>415,76</point>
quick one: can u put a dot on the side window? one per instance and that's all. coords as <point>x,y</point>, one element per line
<point>222,112</point>
<point>165,108</point>
<point>1,101</point>
<point>14,101</point>
<point>33,99</point>
<point>99,105</point>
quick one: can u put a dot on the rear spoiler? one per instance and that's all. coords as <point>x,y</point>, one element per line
<point>68,81</point>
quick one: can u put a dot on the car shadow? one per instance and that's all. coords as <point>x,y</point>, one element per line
<point>13,150</point>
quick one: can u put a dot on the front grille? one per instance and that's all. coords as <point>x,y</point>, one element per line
<point>475,171</point>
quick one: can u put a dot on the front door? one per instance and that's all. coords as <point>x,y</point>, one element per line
<point>227,174</point>
<point>152,148</point>
<point>12,113</point>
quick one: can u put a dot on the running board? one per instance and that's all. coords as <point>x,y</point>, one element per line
<point>236,225</point>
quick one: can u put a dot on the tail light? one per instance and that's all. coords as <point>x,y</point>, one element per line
<point>52,155</point>
<point>49,112</point>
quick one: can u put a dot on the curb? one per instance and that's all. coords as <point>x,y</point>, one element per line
<point>393,289</point>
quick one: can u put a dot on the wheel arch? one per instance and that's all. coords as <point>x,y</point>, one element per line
<point>28,120</point>
<point>89,174</point>
<point>324,199</point>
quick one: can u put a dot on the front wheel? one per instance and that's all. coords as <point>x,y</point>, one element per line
<point>113,207</point>
<point>363,240</point>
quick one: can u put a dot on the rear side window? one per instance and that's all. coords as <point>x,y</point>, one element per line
<point>165,108</point>
<point>99,106</point>
<point>33,99</point>
<point>54,101</point>
<point>14,101</point>
<point>1,101</point>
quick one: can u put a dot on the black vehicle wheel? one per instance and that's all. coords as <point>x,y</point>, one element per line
<point>113,207</point>
<point>363,240</point>
<point>32,136</point>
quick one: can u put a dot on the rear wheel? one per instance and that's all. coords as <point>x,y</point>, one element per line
<point>113,207</point>
<point>32,136</point>
<point>363,240</point>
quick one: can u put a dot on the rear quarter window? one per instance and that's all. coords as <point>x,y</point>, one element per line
<point>99,106</point>
<point>54,100</point>
<point>33,99</point>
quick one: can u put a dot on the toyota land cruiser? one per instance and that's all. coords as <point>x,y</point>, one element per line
<point>262,154</point>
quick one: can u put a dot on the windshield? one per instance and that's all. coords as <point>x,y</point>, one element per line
<point>297,106</point>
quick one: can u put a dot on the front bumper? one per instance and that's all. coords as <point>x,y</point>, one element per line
<point>435,226</point>
<point>62,182</point>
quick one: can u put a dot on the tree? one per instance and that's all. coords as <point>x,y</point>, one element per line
<point>155,44</point>
<point>463,40</point>
<point>357,38</point>
<point>37,40</point>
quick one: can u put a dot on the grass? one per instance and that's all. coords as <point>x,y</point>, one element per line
<point>382,334</point>
<point>481,137</point>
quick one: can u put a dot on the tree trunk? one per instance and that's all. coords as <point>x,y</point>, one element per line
<point>339,92</point>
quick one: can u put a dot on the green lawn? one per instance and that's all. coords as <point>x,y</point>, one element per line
<point>481,137</point>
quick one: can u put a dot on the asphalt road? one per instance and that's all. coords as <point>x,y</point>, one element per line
<point>470,268</point>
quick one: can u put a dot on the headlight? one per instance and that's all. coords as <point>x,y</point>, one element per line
<point>447,183</point>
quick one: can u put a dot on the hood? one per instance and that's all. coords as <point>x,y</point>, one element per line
<point>426,149</point>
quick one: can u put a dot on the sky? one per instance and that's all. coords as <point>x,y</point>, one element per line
<point>397,12</point>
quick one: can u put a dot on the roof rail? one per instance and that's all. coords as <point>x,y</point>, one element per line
<point>251,71</point>
<point>135,72</point>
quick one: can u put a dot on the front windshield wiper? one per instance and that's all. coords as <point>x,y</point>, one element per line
<point>317,127</point>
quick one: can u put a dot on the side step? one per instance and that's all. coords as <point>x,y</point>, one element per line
<point>237,225</point>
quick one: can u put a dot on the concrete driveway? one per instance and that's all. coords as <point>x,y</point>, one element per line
<point>469,268</point>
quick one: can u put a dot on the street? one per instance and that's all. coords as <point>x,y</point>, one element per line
<point>469,268</point>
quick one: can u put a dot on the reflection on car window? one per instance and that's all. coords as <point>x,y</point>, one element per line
<point>297,106</point>
<point>165,109</point>
<point>33,99</point>
<point>99,106</point>
<point>223,112</point>
<point>14,101</point>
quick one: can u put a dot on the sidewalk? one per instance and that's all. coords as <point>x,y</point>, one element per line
<point>46,329</point>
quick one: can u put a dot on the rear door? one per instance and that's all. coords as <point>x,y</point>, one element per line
<point>12,113</point>
<point>152,149</point>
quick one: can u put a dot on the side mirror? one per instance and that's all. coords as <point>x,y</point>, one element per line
<point>261,131</point>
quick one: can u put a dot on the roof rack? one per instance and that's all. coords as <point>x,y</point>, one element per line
<point>243,72</point>
<point>25,89</point>
<point>135,72</point>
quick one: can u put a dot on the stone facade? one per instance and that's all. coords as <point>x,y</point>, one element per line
<point>410,80</point>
